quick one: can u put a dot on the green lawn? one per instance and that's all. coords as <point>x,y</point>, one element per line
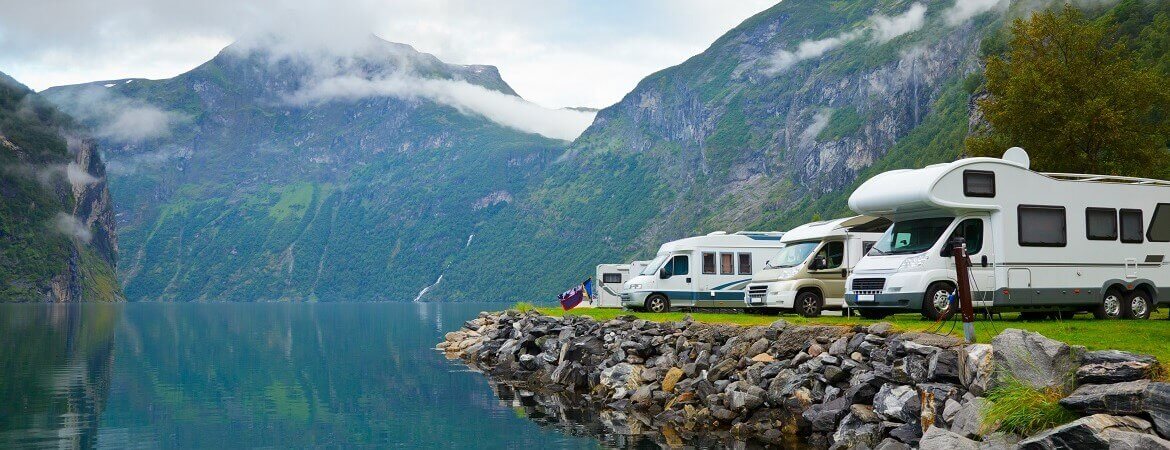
<point>1142,336</point>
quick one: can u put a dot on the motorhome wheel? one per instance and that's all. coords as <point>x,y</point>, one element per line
<point>809,304</point>
<point>657,303</point>
<point>937,303</point>
<point>1139,305</point>
<point>1110,307</point>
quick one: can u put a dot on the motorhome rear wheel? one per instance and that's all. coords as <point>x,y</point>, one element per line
<point>809,304</point>
<point>657,303</point>
<point>1138,305</point>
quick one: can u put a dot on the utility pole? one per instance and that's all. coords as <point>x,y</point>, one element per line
<point>962,264</point>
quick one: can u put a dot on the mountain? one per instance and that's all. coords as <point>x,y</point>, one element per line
<point>263,175</point>
<point>57,238</point>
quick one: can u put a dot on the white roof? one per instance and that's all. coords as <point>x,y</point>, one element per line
<point>825,228</point>
<point>742,239</point>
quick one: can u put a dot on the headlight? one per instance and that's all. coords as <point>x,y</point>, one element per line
<point>630,287</point>
<point>914,262</point>
<point>787,273</point>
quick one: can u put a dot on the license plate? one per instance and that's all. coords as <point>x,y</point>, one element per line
<point>865,297</point>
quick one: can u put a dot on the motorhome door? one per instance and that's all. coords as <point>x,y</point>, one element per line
<point>833,272</point>
<point>977,232</point>
<point>676,280</point>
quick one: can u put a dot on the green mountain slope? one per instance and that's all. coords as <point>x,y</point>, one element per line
<point>57,240</point>
<point>253,195</point>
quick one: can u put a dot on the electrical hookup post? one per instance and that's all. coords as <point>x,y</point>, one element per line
<point>963,279</point>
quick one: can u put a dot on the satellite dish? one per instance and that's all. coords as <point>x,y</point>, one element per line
<point>1018,156</point>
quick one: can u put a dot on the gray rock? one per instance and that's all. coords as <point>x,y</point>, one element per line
<point>968,421</point>
<point>881,328</point>
<point>1129,440</point>
<point>999,441</point>
<point>897,402</point>
<point>854,433</point>
<point>839,347</point>
<point>933,398</point>
<point>909,433</point>
<point>643,394</point>
<point>891,444</point>
<point>1084,433</point>
<point>1118,399</point>
<point>1035,360</point>
<point>824,416</point>
<point>976,367</point>
<point>937,438</point>
<point>1114,372</point>
<point>944,366</point>
<point>743,401</point>
<point>1115,356</point>
<point>950,410</point>
<point>865,413</point>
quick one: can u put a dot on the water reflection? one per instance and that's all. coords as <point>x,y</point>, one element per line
<point>56,361</point>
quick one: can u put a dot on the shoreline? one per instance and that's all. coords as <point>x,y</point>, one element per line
<point>824,386</point>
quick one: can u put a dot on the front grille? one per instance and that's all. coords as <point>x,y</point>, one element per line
<point>868,285</point>
<point>758,289</point>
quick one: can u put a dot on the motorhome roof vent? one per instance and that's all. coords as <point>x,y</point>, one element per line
<point>717,233</point>
<point>1018,156</point>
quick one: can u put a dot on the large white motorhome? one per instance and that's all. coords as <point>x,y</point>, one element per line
<point>609,282</point>
<point>703,271</point>
<point>808,273</point>
<point>1038,242</point>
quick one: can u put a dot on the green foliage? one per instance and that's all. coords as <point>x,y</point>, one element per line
<point>1020,409</point>
<point>524,306</point>
<point>1077,98</point>
<point>844,122</point>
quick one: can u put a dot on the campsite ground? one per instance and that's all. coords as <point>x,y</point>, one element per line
<point>1143,336</point>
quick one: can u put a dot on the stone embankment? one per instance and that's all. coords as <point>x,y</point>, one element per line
<point>821,386</point>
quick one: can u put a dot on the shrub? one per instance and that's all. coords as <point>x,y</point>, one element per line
<point>1024,410</point>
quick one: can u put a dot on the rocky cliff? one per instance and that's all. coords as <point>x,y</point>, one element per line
<point>57,232</point>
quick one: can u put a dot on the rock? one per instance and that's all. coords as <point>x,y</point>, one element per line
<point>722,370</point>
<point>968,421</point>
<point>937,438</point>
<point>1035,360</point>
<point>861,393</point>
<point>865,413</point>
<point>1128,398</point>
<point>723,414</point>
<point>780,324</point>
<point>643,394</point>
<point>909,433</point>
<point>839,347</point>
<point>854,433</point>
<point>528,362</point>
<point>1116,356</point>
<point>891,444</point>
<point>933,398</point>
<point>1129,440</point>
<point>880,328</point>
<point>999,441</point>
<point>944,366</point>
<point>815,350</point>
<point>671,379</point>
<point>743,401</point>
<point>1114,372</point>
<point>800,358</point>
<point>857,356</point>
<point>976,367</point>
<point>763,357</point>
<point>1084,433</point>
<point>897,402</point>
<point>950,410</point>
<point>617,376</point>
<point>824,416</point>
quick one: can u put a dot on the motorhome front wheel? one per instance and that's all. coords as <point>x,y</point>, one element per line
<point>1110,305</point>
<point>657,303</point>
<point>937,303</point>
<point>809,304</point>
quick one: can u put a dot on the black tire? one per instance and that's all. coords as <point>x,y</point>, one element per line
<point>933,302</point>
<point>1035,315</point>
<point>657,303</point>
<point>872,313</point>
<point>1110,307</point>
<point>809,304</point>
<point>1138,305</point>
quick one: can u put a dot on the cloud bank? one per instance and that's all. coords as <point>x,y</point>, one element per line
<point>820,121</point>
<point>964,10</point>
<point>784,59</point>
<point>887,28</point>
<point>71,226</point>
<point>506,110</point>
<point>121,119</point>
<point>879,27</point>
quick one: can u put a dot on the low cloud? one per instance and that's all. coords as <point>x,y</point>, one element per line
<point>121,119</point>
<point>887,28</point>
<point>504,109</point>
<point>820,121</point>
<point>964,10</point>
<point>71,226</point>
<point>784,59</point>
<point>78,176</point>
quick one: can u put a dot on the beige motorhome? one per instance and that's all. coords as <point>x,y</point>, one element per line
<point>808,274</point>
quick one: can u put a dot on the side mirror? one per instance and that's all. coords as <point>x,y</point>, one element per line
<point>818,263</point>
<point>663,274</point>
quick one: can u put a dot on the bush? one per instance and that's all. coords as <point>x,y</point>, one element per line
<point>1021,409</point>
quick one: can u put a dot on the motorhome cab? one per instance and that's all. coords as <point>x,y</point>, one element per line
<point>609,281</point>
<point>808,274</point>
<point>1037,241</point>
<point>701,272</point>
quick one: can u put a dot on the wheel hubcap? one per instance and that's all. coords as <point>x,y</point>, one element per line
<point>656,305</point>
<point>942,300</point>
<point>1112,306</point>
<point>810,305</point>
<point>1138,306</point>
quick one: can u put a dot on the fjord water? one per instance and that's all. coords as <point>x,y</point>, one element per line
<point>250,375</point>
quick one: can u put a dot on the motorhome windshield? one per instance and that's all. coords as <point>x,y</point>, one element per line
<point>654,264</point>
<point>911,236</point>
<point>792,255</point>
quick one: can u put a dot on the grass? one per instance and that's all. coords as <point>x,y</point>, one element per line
<point>1020,409</point>
<point>1141,336</point>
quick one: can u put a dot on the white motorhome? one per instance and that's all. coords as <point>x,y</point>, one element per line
<point>1038,242</point>
<point>703,271</point>
<point>609,282</point>
<point>808,274</point>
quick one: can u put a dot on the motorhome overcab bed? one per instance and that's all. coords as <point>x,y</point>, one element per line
<point>701,272</point>
<point>808,274</point>
<point>609,281</point>
<point>1037,241</point>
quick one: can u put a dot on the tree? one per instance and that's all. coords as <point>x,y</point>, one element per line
<point>1076,98</point>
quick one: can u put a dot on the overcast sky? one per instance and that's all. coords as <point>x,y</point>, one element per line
<point>553,52</point>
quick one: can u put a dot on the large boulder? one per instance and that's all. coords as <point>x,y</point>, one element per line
<point>1115,372</point>
<point>1129,440</point>
<point>976,367</point>
<point>898,402</point>
<point>968,421</point>
<point>1035,360</point>
<point>1086,433</point>
<point>1115,356</point>
<point>853,432</point>
<point>1129,398</point>
<point>937,438</point>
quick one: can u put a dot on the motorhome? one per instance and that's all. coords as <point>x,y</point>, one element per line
<point>701,272</point>
<point>808,274</point>
<point>1041,243</point>
<point>610,280</point>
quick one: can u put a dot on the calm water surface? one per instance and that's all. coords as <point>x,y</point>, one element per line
<point>253,375</point>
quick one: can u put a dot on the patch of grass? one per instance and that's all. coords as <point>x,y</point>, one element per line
<point>525,307</point>
<point>1021,409</point>
<point>1140,336</point>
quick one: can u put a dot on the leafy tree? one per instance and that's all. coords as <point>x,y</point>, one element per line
<point>1076,97</point>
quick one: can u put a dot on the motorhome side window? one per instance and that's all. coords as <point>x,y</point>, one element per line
<point>1101,224</point>
<point>833,253</point>
<point>611,278</point>
<point>1042,226</point>
<point>1160,224</point>
<point>978,183</point>
<point>971,230</point>
<point>727,264</point>
<point>745,263</point>
<point>1131,226</point>
<point>679,265</point>
<point>708,263</point>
